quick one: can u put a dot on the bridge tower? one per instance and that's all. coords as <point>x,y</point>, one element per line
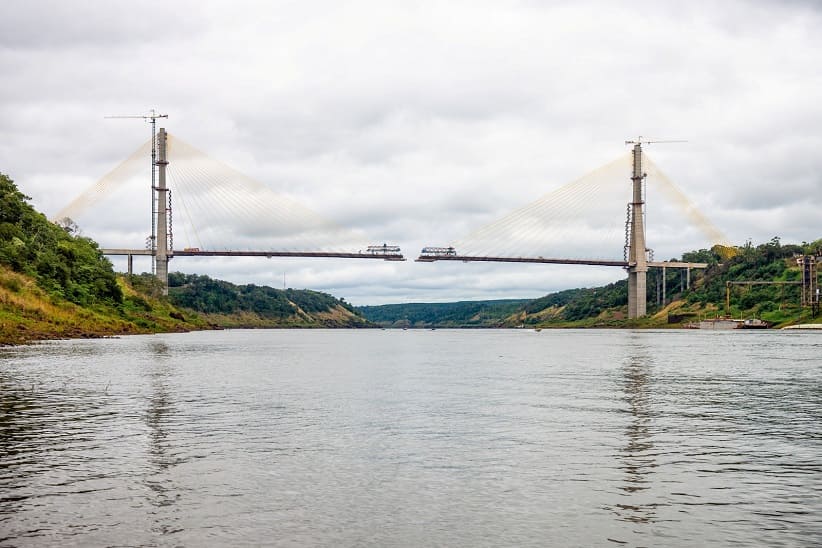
<point>161,252</point>
<point>637,258</point>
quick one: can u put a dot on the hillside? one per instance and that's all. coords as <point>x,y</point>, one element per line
<point>606,306</point>
<point>229,305</point>
<point>55,283</point>
<point>458,314</point>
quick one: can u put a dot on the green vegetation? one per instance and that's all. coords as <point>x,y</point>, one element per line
<point>251,305</point>
<point>55,283</point>
<point>579,304</point>
<point>768,262</point>
<point>459,314</point>
<point>65,265</point>
<point>606,306</point>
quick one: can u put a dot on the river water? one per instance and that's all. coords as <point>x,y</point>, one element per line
<point>414,438</point>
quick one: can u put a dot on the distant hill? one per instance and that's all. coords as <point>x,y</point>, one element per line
<point>55,283</point>
<point>606,306</point>
<point>458,314</point>
<point>230,305</point>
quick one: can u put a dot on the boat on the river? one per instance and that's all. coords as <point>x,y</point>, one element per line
<point>726,323</point>
<point>754,323</point>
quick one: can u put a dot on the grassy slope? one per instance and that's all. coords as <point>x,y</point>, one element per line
<point>27,313</point>
<point>334,318</point>
<point>607,306</point>
<point>457,314</point>
<point>250,306</point>
<point>55,283</point>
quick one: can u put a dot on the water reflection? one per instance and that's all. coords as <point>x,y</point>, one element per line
<point>637,459</point>
<point>18,404</point>
<point>159,417</point>
<point>46,420</point>
<point>159,441</point>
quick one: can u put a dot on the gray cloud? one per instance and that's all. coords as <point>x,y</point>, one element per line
<point>417,123</point>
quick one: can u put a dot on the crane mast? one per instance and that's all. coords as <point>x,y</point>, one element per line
<point>156,198</point>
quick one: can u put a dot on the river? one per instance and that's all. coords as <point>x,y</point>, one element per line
<point>414,438</point>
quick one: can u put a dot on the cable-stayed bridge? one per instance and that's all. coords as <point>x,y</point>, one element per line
<point>556,217</point>
<point>225,202</point>
<point>581,223</point>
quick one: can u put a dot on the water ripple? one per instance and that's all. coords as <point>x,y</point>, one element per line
<point>390,438</point>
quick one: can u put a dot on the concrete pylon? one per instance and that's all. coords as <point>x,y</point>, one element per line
<point>637,260</point>
<point>161,252</point>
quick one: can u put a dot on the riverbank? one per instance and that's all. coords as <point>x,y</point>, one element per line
<point>29,314</point>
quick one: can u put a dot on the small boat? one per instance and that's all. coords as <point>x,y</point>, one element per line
<point>754,323</point>
<point>725,323</point>
<point>719,323</point>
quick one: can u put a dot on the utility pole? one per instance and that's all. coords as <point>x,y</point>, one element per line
<point>637,248</point>
<point>156,199</point>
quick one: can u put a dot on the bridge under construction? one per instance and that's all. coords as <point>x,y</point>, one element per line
<point>203,176</point>
<point>636,261</point>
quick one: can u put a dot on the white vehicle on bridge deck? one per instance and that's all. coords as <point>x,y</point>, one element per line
<point>438,252</point>
<point>383,249</point>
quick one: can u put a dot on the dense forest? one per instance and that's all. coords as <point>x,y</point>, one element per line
<point>777,303</point>
<point>458,314</point>
<point>55,283</point>
<point>257,306</point>
<point>65,265</point>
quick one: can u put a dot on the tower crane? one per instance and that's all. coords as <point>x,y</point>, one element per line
<point>152,118</point>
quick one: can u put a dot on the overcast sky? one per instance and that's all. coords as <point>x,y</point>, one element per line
<point>416,123</point>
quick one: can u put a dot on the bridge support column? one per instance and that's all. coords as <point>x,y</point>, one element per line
<point>130,262</point>
<point>161,253</point>
<point>637,293</point>
<point>637,272</point>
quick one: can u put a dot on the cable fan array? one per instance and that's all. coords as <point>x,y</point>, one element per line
<point>582,219</point>
<point>677,197</point>
<point>108,185</point>
<point>215,207</point>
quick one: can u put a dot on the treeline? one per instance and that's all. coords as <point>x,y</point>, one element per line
<point>607,305</point>
<point>55,283</point>
<point>65,265</point>
<point>457,314</point>
<point>768,262</point>
<point>578,304</point>
<point>210,296</point>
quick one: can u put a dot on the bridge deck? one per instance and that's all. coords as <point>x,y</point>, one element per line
<point>676,264</point>
<point>315,254</point>
<point>545,260</point>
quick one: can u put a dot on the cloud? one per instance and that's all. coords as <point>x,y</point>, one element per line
<point>419,123</point>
